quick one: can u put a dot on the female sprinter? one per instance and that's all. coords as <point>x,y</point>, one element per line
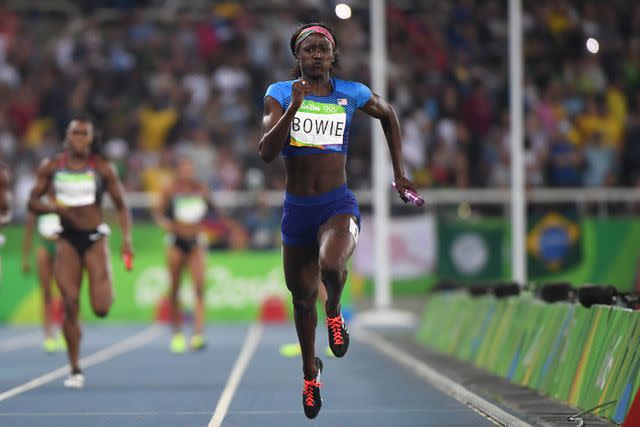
<point>78,177</point>
<point>180,212</point>
<point>5,204</point>
<point>49,228</point>
<point>5,194</point>
<point>307,120</point>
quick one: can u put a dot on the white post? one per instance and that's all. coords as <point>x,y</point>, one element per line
<point>380,169</point>
<point>382,313</point>
<point>518,204</point>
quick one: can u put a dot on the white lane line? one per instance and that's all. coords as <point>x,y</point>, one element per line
<point>248,348</point>
<point>133,342</point>
<point>21,341</point>
<point>241,412</point>
<point>439,381</point>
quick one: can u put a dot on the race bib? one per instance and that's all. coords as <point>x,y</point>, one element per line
<point>189,209</point>
<point>75,188</point>
<point>319,125</point>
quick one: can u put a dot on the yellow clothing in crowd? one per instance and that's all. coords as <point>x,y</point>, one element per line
<point>617,105</point>
<point>610,128</point>
<point>156,178</point>
<point>155,126</point>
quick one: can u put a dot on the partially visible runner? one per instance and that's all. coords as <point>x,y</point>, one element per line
<point>307,120</point>
<point>78,177</point>
<point>180,211</point>
<point>5,204</point>
<point>49,228</point>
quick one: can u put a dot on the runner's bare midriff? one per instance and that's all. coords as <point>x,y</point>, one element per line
<point>186,231</point>
<point>82,218</point>
<point>315,174</point>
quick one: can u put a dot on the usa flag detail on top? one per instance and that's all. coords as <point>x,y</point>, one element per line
<point>342,101</point>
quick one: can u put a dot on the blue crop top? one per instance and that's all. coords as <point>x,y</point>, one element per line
<point>322,123</point>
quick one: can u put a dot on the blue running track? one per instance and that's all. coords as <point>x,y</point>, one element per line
<point>140,383</point>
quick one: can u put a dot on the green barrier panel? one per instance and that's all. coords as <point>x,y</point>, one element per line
<point>507,337</point>
<point>459,315</point>
<point>517,337</point>
<point>621,333</point>
<point>483,331</point>
<point>551,328</point>
<point>578,379</point>
<point>630,386</point>
<point>427,323</point>
<point>477,323</point>
<point>436,317</point>
<point>530,342</point>
<point>602,363</point>
<point>579,328</point>
<point>601,325</point>
<point>585,356</point>
<point>636,387</point>
<point>500,354</point>
<point>623,384</point>
<point>613,388</point>
<point>559,363</point>
<point>450,324</point>
<point>530,320</point>
<point>589,392</point>
<point>540,347</point>
<point>549,372</point>
<point>487,348</point>
<point>422,335</point>
<point>467,312</point>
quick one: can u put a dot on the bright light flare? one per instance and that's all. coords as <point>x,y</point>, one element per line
<point>343,11</point>
<point>592,45</point>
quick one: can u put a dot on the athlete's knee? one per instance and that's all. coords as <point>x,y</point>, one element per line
<point>331,271</point>
<point>71,305</point>
<point>305,300</point>
<point>102,309</point>
<point>332,266</point>
<point>174,287</point>
<point>199,292</point>
<point>101,312</point>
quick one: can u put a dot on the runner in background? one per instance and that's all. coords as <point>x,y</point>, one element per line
<point>78,178</point>
<point>5,204</point>
<point>49,228</point>
<point>182,207</point>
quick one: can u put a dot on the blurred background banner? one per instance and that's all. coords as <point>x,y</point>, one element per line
<point>411,245</point>
<point>554,243</point>
<point>588,250</point>
<point>236,282</point>
<point>605,249</point>
<point>470,251</point>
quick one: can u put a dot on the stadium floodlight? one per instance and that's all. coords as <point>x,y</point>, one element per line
<point>343,11</point>
<point>592,45</point>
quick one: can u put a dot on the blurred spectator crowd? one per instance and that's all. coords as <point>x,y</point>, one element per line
<point>165,83</point>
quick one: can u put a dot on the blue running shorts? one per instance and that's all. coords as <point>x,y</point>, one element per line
<point>302,216</point>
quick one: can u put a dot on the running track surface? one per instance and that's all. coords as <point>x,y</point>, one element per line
<point>241,377</point>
